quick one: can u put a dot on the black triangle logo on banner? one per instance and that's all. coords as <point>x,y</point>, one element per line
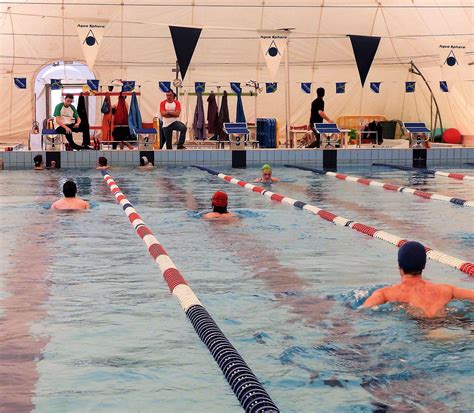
<point>184,40</point>
<point>364,48</point>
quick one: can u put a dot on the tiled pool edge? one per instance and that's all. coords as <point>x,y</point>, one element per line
<point>435,157</point>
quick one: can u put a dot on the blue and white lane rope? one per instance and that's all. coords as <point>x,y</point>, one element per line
<point>249,391</point>
<point>388,187</point>
<point>438,256</point>
<point>452,175</point>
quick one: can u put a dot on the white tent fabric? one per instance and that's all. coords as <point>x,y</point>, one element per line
<point>137,46</point>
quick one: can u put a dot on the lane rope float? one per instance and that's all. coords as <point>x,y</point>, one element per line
<point>245,385</point>
<point>452,175</point>
<point>434,255</point>
<point>388,186</point>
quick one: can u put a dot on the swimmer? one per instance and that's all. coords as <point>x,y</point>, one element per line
<point>38,163</point>
<point>267,175</point>
<point>70,201</point>
<point>424,298</point>
<point>102,163</point>
<point>219,206</point>
<point>145,163</point>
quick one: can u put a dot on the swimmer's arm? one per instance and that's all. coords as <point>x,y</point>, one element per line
<point>86,205</point>
<point>257,180</point>
<point>462,294</point>
<point>53,205</point>
<point>275,180</point>
<point>377,298</point>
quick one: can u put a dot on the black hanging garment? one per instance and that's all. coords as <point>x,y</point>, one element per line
<point>84,126</point>
<point>377,137</point>
<point>212,115</point>
<point>223,118</point>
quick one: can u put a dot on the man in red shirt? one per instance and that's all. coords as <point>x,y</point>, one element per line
<point>170,109</point>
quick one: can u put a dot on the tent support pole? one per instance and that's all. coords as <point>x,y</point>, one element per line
<point>437,116</point>
<point>288,143</point>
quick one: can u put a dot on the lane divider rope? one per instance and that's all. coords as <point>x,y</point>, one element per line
<point>452,175</point>
<point>245,385</point>
<point>438,256</point>
<point>388,186</point>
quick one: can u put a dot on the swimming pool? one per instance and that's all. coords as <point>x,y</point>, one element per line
<point>89,325</point>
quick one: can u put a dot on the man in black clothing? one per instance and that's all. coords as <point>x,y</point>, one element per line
<point>317,116</point>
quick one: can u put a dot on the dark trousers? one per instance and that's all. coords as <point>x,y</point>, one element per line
<point>62,131</point>
<point>168,134</point>
<point>317,142</point>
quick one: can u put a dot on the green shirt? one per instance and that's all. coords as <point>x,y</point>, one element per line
<point>68,114</point>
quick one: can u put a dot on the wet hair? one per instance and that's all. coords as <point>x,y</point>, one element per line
<point>69,96</point>
<point>69,189</point>
<point>38,160</point>
<point>144,161</point>
<point>220,210</point>
<point>412,258</point>
<point>320,92</point>
<point>102,161</point>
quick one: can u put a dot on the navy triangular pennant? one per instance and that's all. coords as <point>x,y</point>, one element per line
<point>20,82</point>
<point>375,87</point>
<point>364,48</point>
<point>185,40</point>
<point>306,87</point>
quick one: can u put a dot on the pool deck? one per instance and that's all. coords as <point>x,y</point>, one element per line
<point>324,158</point>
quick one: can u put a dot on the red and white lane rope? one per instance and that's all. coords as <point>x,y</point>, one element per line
<point>388,186</point>
<point>452,175</point>
<point>248,390</point>
<point>438,256</point>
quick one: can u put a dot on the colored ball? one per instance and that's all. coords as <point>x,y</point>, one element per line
<point>272,51</point>
<point>90,40</point>
<point>452,135</point>
<point>451,61</point>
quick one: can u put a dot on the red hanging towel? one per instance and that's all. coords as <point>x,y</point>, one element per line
<point>107,119</point>
<point>121,112</point>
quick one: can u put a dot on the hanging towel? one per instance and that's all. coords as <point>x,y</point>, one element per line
<point>121,131</point>
<point>199,124</point>
<point>84,126</point>
<point>223,118</point>
<point>134,116</point>
<point>107,119</point>
<point>212,114</point>
<point>240,116</point>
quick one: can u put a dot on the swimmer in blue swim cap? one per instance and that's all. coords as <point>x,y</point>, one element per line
<point>267,175</point>
<point>423,298</point>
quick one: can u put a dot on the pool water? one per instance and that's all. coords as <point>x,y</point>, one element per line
<point>88,325</point>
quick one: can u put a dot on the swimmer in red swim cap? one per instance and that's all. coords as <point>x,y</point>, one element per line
<point>219,207</point>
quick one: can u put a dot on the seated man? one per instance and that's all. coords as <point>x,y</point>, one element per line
<point>266,175</point>
<point>423,298</point>
<point>66,119</point>
<point>70,201</point>
<point>145,163</point>
<point>102,163</point>
<point>170,109</point>
<point>219,207</point>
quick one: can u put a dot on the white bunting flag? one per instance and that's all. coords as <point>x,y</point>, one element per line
<point>273,45</point>
<point>90,35</point>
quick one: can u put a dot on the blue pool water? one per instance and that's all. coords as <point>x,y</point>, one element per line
<point>88,325</point>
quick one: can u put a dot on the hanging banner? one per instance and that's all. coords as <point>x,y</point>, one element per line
<point>235,86</point>
<point>164,86</point>
<point>443,85</point>
<point>56,84</point>
<point>128,85</point>
<point>452,55</point>
<point>90,35</point>
<point>410,87</point>
<point>93,84</point>
<point>273,45</point>
<point>271,87</point>
<point>185,40</point>
<point>341,87</point>
<point>199,87</point>
<point>20,82</point>
<point>364,48</point>
<point>306,87</point>
<point>375,87</point>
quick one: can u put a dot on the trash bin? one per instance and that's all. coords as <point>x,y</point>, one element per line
<point>388,129</point>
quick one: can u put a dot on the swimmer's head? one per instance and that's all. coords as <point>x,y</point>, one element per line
<point>102,161</point>
<point>219,202</point>
<point>38,160</point>
<point>69,189</point>
<point>144,161</point>
<point>412,258</point>
<point>266,171</point>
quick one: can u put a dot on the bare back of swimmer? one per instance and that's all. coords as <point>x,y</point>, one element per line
<point>69,202</point>
<point>423,298</point>
<point>219,206</point>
